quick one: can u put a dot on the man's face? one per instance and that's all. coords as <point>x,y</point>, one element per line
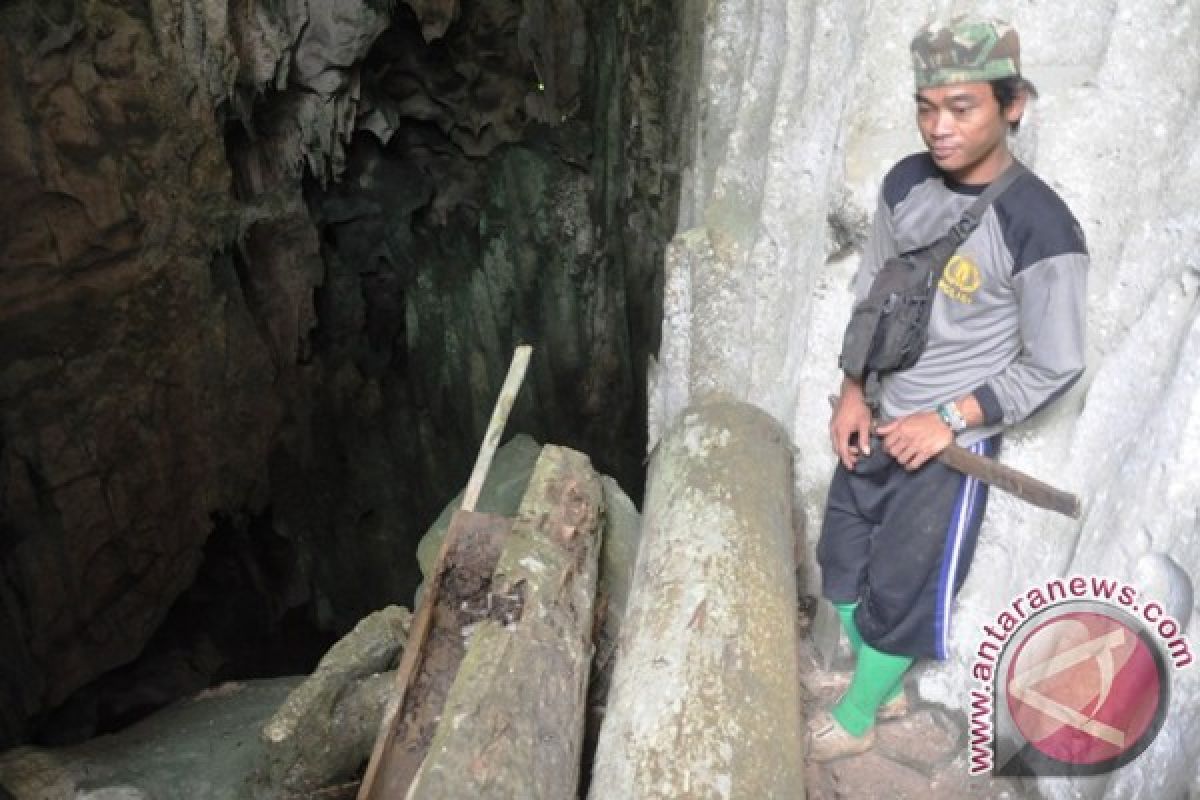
<point>965,130</point>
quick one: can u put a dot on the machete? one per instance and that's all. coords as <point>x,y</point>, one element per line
<point>1013,481</point>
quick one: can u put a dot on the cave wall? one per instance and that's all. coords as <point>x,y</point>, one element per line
<point>493,195</point>
<point>136,391</point>
<point>264,264</point>
<point>801,109</point>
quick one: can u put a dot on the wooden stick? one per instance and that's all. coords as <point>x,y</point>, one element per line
<point>1019,484</point>
<point>491,439</point>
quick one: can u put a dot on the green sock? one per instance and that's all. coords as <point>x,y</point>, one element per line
<point>845,612</point>
<point>876,676</point>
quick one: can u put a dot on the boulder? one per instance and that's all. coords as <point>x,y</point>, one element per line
<point>323,732</point>
<point>205,747</point>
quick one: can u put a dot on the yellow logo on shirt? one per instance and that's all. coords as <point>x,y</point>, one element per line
<point>960,280</point>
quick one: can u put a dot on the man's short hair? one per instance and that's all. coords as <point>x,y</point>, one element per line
<point>1006,92</point>
<point>965,49</point>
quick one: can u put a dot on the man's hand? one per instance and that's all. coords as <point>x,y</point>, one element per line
<point>915,439</point>
<point>851,418</point>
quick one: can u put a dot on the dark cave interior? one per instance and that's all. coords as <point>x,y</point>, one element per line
<point>512,178</point>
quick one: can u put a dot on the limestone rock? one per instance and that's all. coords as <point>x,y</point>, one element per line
<point>861,777</point>
<point>501,494</point>
<point>435,16</point>
<point>323,732</point>
<point>923,740</point>
<point>418,318</point>
<point>136,395</point>
<point>621,539</point>
<point>202,748</point>
<point>285,737</point>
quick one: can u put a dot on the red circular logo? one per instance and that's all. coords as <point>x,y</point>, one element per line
<point>1084,688</point>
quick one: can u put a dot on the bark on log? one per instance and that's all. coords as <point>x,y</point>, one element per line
<point>705,701</point>
<point>512,725</point>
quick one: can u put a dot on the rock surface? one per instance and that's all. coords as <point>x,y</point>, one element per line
<point>323,731</point>
<point>201,748</point>
<point>281,738</point>
<point>136,393</point>
<point>800,110</point>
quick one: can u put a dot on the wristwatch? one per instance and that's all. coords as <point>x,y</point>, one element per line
<point>952,417</point>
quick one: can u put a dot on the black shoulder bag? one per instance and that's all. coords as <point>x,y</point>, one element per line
<point>888,330</point>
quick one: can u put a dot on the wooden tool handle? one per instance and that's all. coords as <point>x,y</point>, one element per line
<point>993,473</point>
<point>1017,483</point>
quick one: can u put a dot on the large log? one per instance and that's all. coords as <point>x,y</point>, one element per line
<point>704,701</point>
<point>512,725</point>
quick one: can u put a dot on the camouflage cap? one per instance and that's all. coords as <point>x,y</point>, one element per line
<point>965,49</point>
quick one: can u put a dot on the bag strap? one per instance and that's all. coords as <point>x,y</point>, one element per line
<point>970,219</point>
<point>944,248</point>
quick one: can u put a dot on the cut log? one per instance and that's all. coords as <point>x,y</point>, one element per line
<point>434,649</point>
<point>704,700</point>
<point>512,725</point>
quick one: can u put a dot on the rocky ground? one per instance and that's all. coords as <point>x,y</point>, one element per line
<point>202,747</point>
<point>922,756</point>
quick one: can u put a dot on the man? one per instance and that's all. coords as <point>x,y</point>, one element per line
<point>1006,337</point>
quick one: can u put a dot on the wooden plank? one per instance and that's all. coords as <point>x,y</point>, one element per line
<point>1019,484</point>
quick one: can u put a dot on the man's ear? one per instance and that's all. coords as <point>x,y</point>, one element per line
<point>1016,110</point>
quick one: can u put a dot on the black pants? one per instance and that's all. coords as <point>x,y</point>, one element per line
<point>899,544</point>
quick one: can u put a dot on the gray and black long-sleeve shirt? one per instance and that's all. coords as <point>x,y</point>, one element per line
<point>1008,320</point>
